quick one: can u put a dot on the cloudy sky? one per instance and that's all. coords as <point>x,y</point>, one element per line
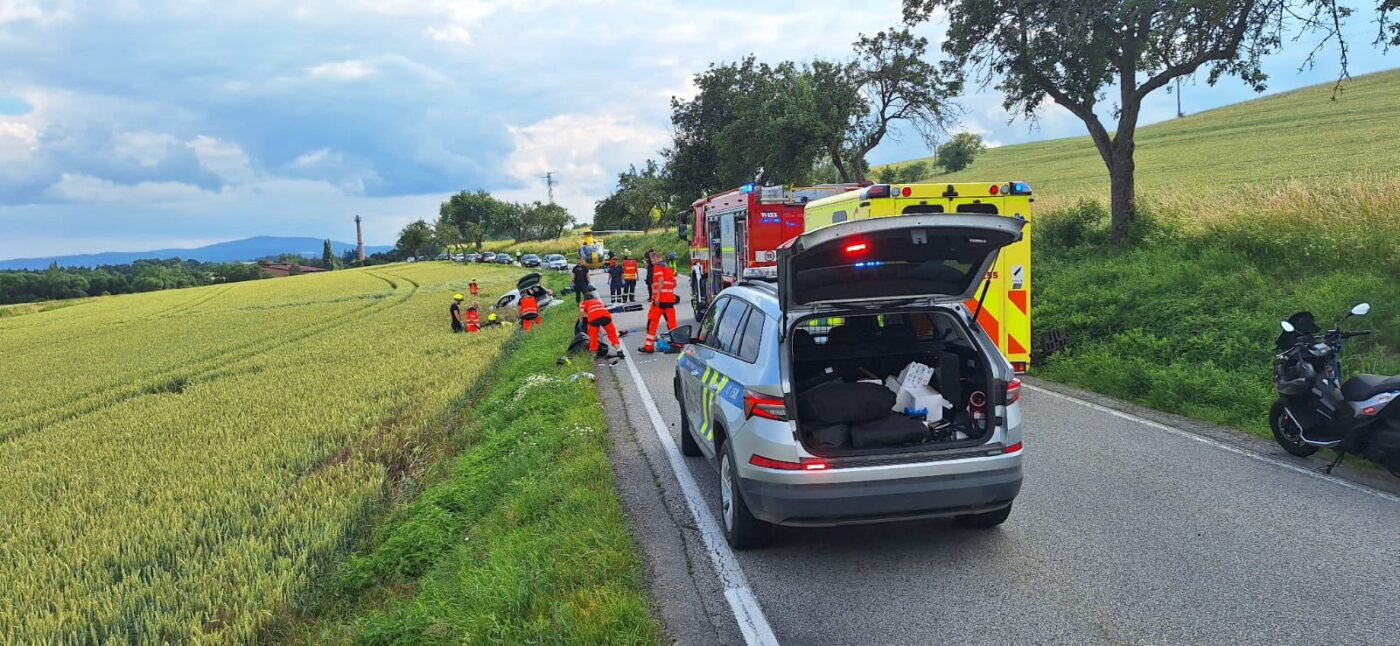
<point>128,125</point>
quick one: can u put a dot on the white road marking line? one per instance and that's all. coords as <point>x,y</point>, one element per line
<point>752,623</point>
<point>1221,445</point>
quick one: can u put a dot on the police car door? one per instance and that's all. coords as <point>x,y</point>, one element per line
<point>697,374</point>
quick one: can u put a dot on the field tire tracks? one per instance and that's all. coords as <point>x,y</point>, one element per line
<point>219,363</point>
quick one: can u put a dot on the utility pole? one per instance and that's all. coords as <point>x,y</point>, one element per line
<point>1178,97</point>
<point>360,238</point>
<point>549,183</point>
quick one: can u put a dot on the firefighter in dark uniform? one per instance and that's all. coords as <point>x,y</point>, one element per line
<point>458,323</point>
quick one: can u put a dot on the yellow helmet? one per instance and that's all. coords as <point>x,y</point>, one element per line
<point>458,297</point>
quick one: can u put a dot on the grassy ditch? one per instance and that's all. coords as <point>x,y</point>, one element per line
<point>523,542</point>
<point>1184,319</point>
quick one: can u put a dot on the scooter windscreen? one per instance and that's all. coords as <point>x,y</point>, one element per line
<point>1304,325</point>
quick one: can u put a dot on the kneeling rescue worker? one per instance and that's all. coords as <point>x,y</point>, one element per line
<point>529,312</point>
<point>598,319</point>
<point>663,302</point>
<point>473,318</point>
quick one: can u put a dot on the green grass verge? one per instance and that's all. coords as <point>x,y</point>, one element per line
<point>525,540</point>
<point>1185,321</point>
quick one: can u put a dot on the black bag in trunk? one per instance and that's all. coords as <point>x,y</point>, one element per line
<point>835,436</point>
<point>891,430</point>
<point>842,403</point>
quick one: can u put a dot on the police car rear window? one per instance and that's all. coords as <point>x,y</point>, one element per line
<point>898,263</point>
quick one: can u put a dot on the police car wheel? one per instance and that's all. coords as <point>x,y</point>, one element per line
<point>741,530</point>
<point>689,447</point>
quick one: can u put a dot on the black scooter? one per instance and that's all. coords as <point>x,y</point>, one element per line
<point>1316,409</point>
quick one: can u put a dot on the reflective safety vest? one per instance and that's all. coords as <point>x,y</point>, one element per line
<point>664,286</point>
<point>528,306</point>
<point>473,319</point>
<point>629,270</point>
<point>594,312</point>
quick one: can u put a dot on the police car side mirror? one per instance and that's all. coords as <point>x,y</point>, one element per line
<point>1361,310</point>
<point>681,335</point>
<point>1287,327</point>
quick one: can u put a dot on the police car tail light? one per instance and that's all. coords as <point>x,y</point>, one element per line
<point>1013,391</point>
<point>806,464</point>
<point>765,406</point>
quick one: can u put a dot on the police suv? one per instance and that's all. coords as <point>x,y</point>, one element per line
<point>851,385</point>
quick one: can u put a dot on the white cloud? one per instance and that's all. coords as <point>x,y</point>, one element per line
<point>584,151</point>
<point>144,148</point>
<point>86,189</point>
<point>449,34</point>
<point>225,159</point>
<point>16,137</point>
<point>22,10</point>
<point>351,70</point>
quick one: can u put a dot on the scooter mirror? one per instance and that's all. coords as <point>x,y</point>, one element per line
<point>1361,310</point>
<point>1287,327</point>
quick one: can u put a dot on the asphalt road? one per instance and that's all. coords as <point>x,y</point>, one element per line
<point>1124,533</point>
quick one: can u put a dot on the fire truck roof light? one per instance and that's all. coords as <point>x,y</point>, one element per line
<point>747,188</point>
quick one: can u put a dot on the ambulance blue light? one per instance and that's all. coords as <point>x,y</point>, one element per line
<point>1020,188</point>
<point>747,188</point>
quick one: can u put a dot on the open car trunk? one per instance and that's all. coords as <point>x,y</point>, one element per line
<point>846,374</point>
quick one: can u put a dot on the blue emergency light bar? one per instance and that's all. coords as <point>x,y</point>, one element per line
<point>1019,188</point>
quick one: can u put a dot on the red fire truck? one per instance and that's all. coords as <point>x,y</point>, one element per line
<point>741,229</point>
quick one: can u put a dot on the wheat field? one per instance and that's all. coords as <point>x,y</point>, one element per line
<point>182,465</point>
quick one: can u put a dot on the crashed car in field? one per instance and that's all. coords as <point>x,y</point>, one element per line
<point>529,283</point>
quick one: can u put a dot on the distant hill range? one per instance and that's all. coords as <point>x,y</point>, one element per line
<point>231,251</point>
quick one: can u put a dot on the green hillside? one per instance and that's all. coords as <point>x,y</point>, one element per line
<point>1302,134</point>
<point>1247,213</point>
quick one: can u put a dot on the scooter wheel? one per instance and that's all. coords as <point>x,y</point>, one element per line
<point>1287,434</point>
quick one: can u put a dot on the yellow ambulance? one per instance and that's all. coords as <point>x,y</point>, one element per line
<point>1006,311</point>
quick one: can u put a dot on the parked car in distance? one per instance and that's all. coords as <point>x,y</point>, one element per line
<point>504,259</point>
<point>471,257</point>
<point>529,260</point>
<point>487,256</point>
<point>784,385</point>
<point>555,261</point>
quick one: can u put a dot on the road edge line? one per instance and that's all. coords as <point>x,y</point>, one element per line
<point>747,613</point>
<point>1219,445</point>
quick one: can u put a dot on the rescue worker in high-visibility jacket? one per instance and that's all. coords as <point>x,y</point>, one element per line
<point>663,303</point>
<point>476,291</point>
<point>472,317</point>
<point>629,278</point>
<point>598,319</point>
<point>529,312</point>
